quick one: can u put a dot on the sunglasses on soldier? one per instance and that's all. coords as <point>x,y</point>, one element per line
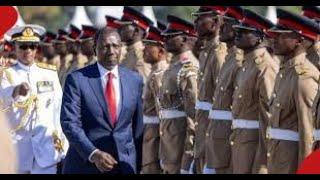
<point>28,46</point>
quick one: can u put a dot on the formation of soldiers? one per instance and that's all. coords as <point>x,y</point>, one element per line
<point>230,93</point>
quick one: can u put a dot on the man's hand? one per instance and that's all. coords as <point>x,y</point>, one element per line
<point>21,90</point>
<point>103,161</point>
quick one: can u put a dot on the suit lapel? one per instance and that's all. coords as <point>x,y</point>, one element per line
<point>125,92</point>
<point>95,84</point>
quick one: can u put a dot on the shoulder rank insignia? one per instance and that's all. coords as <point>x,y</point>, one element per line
<point>47,66</point>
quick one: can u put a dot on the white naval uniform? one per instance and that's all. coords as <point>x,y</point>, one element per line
<point>34,142</point>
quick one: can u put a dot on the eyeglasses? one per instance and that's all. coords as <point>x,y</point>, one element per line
<point>25,47</point>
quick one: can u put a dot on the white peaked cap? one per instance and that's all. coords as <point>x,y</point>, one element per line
<point>80,18</point>
<point>102,11</point>
<point>272,14</point>
<point>20,29</point>
<point>148,12</point>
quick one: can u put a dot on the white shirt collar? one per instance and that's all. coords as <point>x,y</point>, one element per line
<point>103,71</point>
<point>26,68</point>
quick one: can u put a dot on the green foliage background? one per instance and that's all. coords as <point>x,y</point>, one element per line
<point>54,17</point>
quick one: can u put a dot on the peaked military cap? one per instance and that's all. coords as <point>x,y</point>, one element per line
<point>26,33</point>
<point>74,33</point>
<point>290,22</point>
<point>112,22</point>
<point>254,22</point>
<point>132,16</point>
<point>312,12</point>
<point>48,37</point>
<point>88,32</point>
<point>178,26</point>
<point>154,36</point>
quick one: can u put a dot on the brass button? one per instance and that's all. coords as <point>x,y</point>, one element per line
<point>274,95</point>
<point>217,80</point>
<point>161,133</point>
<point>196,123</point>
<point>240,96</point>
<point>244,69</point>
<point>231,143</point>
<point>205,54</point>
<point>213,98</point>
<point>278,104</point>
<point>221,88</point>
<point>236,87</point>
<point>231,107</point>
<point>167,91</point>
<point>207,134</point>
<point>268,154</point>
<point>280,75</point>
<point>202,79</point>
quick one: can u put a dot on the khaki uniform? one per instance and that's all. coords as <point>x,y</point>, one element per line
<point>253,88</point>
<point>211,59</point>
<point>78,62</point>
<point>91,61</point>
<point>177,112</point>
<point>313,54</point>
<point>218,149</point>
<point>123,53</point>
<point>291,110</point>
<point>63,69</point>
<point>151,138</point>
<point>134,60</point>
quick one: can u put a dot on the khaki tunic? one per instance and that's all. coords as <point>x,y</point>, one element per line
<point>134,60</point>
<point>63,69</point>
<point>79,61</point>
<point>291,109</point>
<point>253,88</point>
<point>211,59</point>
<point>151,137</point>
<point>178,92</point>
<point>218,149</point>
<point>123,53</point>
<point>313,54</point>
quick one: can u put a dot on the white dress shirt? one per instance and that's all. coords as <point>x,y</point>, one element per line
<point>116,83</point>
<point>117,87</point>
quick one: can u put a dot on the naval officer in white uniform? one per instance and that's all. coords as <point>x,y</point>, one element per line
<point>31,95</point>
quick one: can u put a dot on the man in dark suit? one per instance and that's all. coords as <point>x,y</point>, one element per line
<point>101,113</point>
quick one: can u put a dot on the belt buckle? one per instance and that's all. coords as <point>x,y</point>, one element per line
<point>267,133</point>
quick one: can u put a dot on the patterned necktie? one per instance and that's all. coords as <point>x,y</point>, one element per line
<point>111,98</point>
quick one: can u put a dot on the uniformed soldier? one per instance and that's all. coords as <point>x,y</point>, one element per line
<point>87,43</point>
<point>155,54</point>
<point>47,49</point>
<point>112,22</point>
<point>290,125</point>
<point>253,89</point>
<point>133,28</point>
<point>65,57</point>
<point>218,149</point>
<point>313,46</point>
<point>211,59</point>
<point>31,95</point>
<point>177,99</point>
<point>163,27</point>
<point>73,44</point>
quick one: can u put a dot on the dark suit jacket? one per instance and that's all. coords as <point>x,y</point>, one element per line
<point>86,122</point>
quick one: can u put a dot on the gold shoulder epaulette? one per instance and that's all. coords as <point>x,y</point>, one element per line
<point>47,66</point>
